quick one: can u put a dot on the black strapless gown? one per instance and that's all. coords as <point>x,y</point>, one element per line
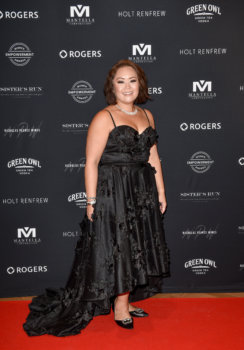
<point>123,249</point>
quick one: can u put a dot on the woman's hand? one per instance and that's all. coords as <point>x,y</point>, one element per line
<point>89,211</point>
<point>163,202</point>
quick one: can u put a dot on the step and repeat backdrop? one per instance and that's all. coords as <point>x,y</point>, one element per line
<point>54,58</point>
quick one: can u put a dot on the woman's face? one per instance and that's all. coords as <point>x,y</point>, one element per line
<point>126,85</point>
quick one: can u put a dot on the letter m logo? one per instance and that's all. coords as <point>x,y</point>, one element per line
<point>202,85</point>
<point>26,232</point>
<point>141,49</point>
<point>79,11</point>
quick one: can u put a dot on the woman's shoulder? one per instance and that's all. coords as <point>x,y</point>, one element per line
<point>100,119</point>
<point>150,116</point>
<point>105,110</point>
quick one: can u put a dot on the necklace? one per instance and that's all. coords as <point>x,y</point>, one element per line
<point>126,112</point>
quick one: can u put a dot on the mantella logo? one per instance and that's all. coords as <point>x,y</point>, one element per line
<point>142,53</point>
<point>26,235</point>
<point>24,166</point>
<point>19,54</point>
<point>202,90</point>
<point>203,13</point>
<point>200,162</point>
<point>200,266</point>
<point>79,15</point>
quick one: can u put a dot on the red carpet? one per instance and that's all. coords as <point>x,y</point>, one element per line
<point>173,324</point>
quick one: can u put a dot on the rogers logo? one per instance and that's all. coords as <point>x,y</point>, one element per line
<point>26,269</point>
<point>80,53</point>
<point>241,161</point>
<point>10,270</point>
<point>200,126</point>
<point>19,15</point>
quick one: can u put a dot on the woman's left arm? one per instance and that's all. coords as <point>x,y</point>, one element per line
<point>155,162</point>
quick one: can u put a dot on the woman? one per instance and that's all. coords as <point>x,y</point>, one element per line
<point>121,255</point>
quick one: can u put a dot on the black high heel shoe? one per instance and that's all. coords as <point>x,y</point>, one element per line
<point>126,322</point>
<point>138,312</point>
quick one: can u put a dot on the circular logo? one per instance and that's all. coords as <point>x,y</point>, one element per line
<point>81,91</point>
<point>200,162</point>
<point>184,126</point>
<point>10,270</point>
<point>241,161</point>
<point>63,53</point>
<point>19,54</point>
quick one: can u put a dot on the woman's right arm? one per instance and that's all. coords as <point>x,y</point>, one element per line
<point>96,141</point>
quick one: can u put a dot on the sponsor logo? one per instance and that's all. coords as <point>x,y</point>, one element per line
<point>201,90</point>
<point>79,15</point>
<point>26,235</point>
<point>203,51</point>
<point>80,54</point>
<point>203,13</point>
<point>153,90</point>
<point>78,198</point>
<point>141,14</point>
<point>69,234</point>
<point>142,53</point>
<point>200,162</point>
<point>82,91</point>
<point>241,229</point>
<point>23,129</point>
<point>200,126</point>
<point>241,161</point>
<point>75,128</point>
<point>75,167</point>
<point>19,15</point>
<point>25,201</point>
<point>199,196</point>
<point>26,269</point>
<point>24,166</point>
<point>199,231</point>
<point>21,91</point>
<point>19,54</point>
<point>200,266</point>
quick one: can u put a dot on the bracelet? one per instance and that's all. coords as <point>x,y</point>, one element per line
<point>91,202</point>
